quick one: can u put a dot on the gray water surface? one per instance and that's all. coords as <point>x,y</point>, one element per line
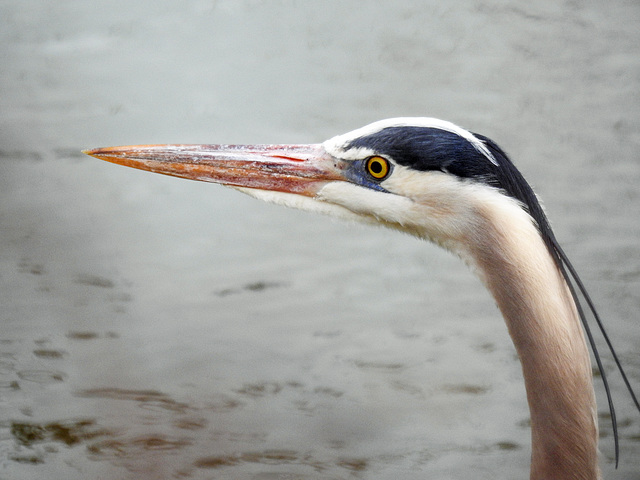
<point>152,327</point>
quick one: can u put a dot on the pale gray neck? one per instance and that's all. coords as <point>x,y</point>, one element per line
<point>543,322</point>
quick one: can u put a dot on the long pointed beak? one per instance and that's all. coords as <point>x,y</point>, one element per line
<point>300,169</point>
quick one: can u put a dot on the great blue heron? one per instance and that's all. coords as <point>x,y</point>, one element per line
<point>442,183</point>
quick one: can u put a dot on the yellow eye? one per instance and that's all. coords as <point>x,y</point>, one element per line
<point>378,167</point>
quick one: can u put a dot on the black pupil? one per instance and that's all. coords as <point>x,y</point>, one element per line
<point>376,166</point>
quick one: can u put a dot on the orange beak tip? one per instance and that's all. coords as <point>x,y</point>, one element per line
<point>93,152</point>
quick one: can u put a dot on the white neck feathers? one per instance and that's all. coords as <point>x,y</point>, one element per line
<point>543,322</point>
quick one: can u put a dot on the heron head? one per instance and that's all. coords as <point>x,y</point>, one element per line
<point>419,175</point>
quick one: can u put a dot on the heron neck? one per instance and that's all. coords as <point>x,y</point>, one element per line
<point>544,325</point>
